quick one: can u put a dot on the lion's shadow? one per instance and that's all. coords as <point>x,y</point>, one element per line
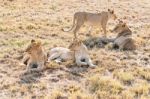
<point>30,77</point>
<point>34,76</point>
<point>98,42</point>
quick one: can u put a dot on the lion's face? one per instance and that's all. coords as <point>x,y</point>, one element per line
<point>121,26</point>
<point>75,45</point>
<point>112,14</point>
<point>34,47</point>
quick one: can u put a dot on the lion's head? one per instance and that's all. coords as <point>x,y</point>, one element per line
<point>75,44</point>
<point>120,27</point>
<point>34,46</point>
<point>112,14</point>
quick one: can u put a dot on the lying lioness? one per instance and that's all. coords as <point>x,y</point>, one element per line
<point>60,54</point>
<point>35,57</point>
<point>92,19</point>
<point>77,51</point>
<point>124,38</point>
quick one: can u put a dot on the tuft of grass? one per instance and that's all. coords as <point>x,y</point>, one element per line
<point>102,95</point>
<point>125,77</point>
<point>14,89</point>
<point>105,83</point>
<point>31,27</point>
<point>73,88</point>
<point>2,28</point>
<point>41,86</point>
<point>106,95</point>
<point>68,63</point>
<point>56,94</point>
<point>53,7</point>
<point>144,73</point>
<point>46,43</point>
<point>53,65</point>
<point>128,94</point>
<point>141,89</point>
<point>17,42</point>
<point>80,95</point>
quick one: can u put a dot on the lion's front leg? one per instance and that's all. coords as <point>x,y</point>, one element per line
<point>28,66</point>
<point>89,62</point>
<point>79,61</point>
<point>104,29</point>
<point>77,28</point>
<point>58,60</point>
<point>25,59</point>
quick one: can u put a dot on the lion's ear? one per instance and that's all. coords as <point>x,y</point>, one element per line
<point>32,41</point>
<point>124,24</point>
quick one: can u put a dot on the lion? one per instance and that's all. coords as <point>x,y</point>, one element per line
<point>92,19</point>
<point>81,53</point>
<point>60,54</point>
<point>124,38</point>
<point>76,51</point>
<point>35,57</point>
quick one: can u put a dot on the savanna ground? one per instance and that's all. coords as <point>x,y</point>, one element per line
<point>118,75</point>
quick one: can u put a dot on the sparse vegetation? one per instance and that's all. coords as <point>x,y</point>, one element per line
<point>118,75</point>
<point>105,84</point>
<point>125,77</point>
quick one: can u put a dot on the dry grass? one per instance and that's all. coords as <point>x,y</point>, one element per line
<point>125,77</point>
<point>107,84</point>
<point>118,75</point>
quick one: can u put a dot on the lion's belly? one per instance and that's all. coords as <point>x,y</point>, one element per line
<point>59,49</point>
<point>67,55</point>
<point>94,20</point>
<point>64,53</point>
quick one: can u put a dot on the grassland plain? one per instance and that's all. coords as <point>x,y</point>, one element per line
<point>118,75</point>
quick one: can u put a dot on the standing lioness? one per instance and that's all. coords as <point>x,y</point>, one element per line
<point>92,19</point>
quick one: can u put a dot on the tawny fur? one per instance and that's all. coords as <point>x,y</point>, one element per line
<point>92,19</point>
<point>124,38</point>
<point>60,54</point>
<point>35,56</point>
<point>77,51</point>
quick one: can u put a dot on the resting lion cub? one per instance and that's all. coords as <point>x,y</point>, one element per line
<point>35,57</point>
<point>77,51</point>
<point>124,38</point>
<point>92,19</point>
<point>81,53</point>
<point>60,54</point>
